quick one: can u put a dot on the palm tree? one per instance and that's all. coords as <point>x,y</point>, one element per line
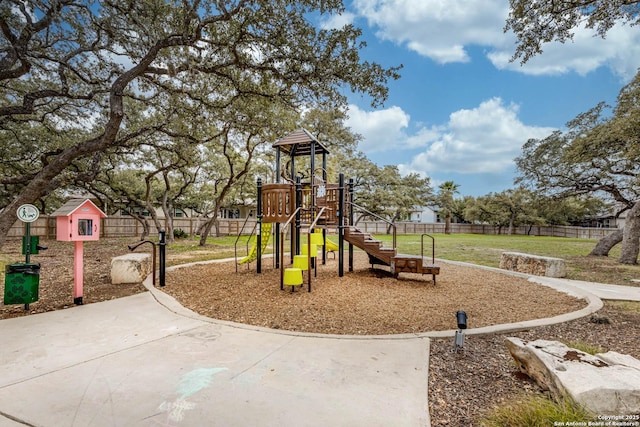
<point>445,199</point>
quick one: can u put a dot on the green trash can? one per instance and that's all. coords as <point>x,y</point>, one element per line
<point>21,283</point>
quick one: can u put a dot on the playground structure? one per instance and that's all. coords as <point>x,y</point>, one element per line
<point>307,205</point>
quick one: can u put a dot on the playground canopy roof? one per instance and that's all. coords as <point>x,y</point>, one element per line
<point>299,142</point>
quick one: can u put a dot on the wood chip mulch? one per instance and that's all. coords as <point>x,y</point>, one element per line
<point>366,301</point>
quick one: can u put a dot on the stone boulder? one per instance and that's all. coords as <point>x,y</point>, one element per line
<point>606,384</point>
<point>130,268</point>
<point>533,264</point>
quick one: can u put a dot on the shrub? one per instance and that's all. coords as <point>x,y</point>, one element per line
<point>536,411</point>
<point>178,233</point>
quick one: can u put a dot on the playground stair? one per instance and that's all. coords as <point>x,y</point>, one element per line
<point>378,254</point>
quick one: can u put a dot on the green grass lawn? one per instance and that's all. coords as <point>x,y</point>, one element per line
<point>486,250</point>
<point>473,248</point>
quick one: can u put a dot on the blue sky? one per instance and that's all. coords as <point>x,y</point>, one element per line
<point>461,110</point>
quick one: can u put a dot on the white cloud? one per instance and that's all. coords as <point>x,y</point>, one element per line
<point>443,30</point>
<point>438,29</point>
<point>381,129</point>
<point>484,139</point>
<point>619,51</point>
<point>384,130</point>
<point>338,21</point>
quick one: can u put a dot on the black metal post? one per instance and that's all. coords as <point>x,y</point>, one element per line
<point>295,244</point>
<point>295,240</point>
<point>312,184</point>
<point>163,248</point>
<point>276,236</point>
<point>350,197</point>
<point>27,243</point>
<point>259,228</point>
<point>340,225</point>
<point>27,250</point>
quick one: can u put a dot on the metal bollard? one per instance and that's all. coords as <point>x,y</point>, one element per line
<point>163,252</point>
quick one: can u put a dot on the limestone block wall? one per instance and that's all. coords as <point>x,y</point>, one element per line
<point>130,268</point>
<point>533,264</point>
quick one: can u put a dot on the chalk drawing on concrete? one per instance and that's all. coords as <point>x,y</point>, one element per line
<point>190,383</point>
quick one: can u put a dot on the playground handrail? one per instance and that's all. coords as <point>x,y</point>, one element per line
<point>433,248</point>
<point>282,231</point>
<point>235,245</point>
<point>291,217</point>
<point>315,221</point>
<point>391,223</point>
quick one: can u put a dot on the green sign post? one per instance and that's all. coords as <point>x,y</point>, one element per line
<point>22,279</point>
<point>28,214</point>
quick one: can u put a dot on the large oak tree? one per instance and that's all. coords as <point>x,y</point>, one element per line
<point>599,154</point>
<point>612,167</point>
<point>77,77</point>
<point>538,22</point>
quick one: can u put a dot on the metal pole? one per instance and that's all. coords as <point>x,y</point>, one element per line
<point>312,184</point>
<point>295,240</point>
<point>163,247</point>
<point>259,228</point>
<point>27,250</point>
<point>350,196</point>
<point>341,225</point>
<point>27,243</point>
<point>276,237</point>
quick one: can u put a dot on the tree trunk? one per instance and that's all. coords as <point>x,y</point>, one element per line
<point>447,222</point>
<point>202,224</point>
<point>207,229</point>
<point>631,236</point>
<point>45,180</point>
<point>511,221</point>
<point>196,228</point>
<point>154,218</point>
<point>168,222</point>
<point>607,243</point>
<point>144,223</point>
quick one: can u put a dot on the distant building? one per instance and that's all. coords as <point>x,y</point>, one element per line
<point>231,212</point>
<point>426,214</point>
<point>177,212</point>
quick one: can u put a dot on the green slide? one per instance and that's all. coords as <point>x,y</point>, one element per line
<point>253,253</point>
<point>331,246</point>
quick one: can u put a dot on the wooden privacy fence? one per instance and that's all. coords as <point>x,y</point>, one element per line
<point>45,227</point>
<point>376,227</point>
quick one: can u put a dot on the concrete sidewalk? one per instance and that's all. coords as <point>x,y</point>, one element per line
<point>601,290</point>
<point>145,360</point>
<point>133,362</point>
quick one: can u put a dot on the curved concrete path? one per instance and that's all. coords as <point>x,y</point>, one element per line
<point>145,360</point>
